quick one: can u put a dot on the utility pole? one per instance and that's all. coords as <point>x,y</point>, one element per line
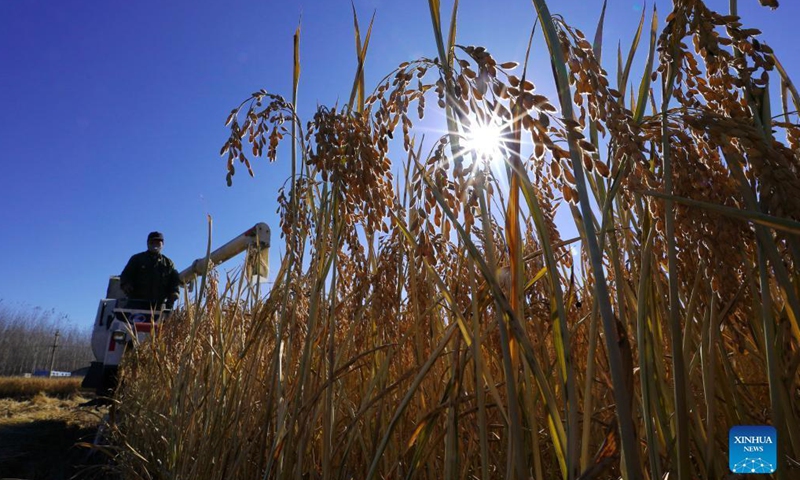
<point>53,353</point>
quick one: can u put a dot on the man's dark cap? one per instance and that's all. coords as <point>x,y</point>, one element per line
<point>155,236</point>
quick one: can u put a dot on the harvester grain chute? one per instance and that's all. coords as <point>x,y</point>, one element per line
<point>123,322</point>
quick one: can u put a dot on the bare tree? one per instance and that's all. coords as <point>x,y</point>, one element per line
<point>26,341</point>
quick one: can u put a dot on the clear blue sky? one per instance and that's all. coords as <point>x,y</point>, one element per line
<point>112,113</point>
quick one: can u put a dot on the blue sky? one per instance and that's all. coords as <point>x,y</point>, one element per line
<point>112,114</point>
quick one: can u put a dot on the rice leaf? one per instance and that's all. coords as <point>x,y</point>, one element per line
<point>644,85</point>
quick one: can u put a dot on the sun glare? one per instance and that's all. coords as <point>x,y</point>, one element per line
<point>484,140</point>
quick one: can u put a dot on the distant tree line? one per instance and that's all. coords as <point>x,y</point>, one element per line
<point>27,335</point>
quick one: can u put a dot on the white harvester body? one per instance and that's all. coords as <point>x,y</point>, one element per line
<point>122,323</point>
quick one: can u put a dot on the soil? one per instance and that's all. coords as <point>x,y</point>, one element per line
<point>45,438</point>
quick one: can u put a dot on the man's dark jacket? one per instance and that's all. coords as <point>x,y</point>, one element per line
<point>151,277</point>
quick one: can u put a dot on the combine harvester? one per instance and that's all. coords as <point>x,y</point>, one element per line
<point>122,323</point>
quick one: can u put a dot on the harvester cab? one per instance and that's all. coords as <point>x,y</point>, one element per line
<point>123,323</point>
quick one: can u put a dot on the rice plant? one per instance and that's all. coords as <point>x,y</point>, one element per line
<point>438,325</point>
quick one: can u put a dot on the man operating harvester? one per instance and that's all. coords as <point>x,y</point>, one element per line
<point>150,276</point>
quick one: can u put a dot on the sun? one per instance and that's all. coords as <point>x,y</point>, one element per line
<point>485,140</point>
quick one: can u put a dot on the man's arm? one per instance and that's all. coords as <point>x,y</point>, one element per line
<point>173,285</point>
<point>128,276</point>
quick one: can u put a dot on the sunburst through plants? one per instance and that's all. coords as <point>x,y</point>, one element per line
<point>485,140</point>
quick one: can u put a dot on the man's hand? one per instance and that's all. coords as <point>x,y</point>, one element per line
<point>171,300</point>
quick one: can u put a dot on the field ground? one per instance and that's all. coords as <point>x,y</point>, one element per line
<point>39,432</point>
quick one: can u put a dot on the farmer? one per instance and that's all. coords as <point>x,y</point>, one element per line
<point>151,276</point>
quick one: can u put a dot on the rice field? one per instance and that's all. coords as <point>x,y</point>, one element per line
<point>26,388</point>
<point>437,324</point>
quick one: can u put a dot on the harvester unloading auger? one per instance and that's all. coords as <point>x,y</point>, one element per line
<point>123,322</point>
